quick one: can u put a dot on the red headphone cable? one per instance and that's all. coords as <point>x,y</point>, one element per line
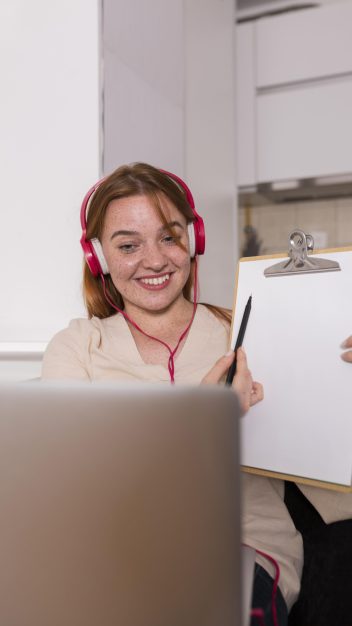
<point>171,362</point>
<point>258,612</point>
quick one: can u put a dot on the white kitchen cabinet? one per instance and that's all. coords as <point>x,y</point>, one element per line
<point>246,106</point>
<point>294,95</point>
<point>304,45</point>
<point>305,132</point>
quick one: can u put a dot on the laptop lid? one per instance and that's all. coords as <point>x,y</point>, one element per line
<point>119,506</point>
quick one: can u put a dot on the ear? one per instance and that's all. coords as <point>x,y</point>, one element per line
<point>98,250</point>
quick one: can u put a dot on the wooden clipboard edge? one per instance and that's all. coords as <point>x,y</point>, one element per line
<point>264,257</point>
<point>297,479</point>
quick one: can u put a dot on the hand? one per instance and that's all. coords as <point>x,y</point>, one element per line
<point>249,392</point>
<point>347,356</point>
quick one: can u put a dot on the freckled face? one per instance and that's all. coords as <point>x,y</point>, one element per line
<point>147,265</point>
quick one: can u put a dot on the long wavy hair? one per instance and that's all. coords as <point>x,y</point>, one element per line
<point>137,179</point>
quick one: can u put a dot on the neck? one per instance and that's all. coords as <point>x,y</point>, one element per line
<point>168,322</point>
<point>169,334</point>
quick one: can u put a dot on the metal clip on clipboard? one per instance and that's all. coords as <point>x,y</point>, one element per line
<point>299,262</point>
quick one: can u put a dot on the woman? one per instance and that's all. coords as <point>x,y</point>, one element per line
<point>141,237</point>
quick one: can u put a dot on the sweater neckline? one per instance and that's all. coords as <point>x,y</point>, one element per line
<point>123,327</point>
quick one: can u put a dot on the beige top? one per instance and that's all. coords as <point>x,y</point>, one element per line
<point>105,349</point>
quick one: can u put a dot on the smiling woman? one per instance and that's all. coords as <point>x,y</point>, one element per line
<point>141,239</point>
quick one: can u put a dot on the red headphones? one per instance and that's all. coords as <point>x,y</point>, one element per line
<point>93,250</point>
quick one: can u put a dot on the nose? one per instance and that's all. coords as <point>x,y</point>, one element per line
<point>155,258</point>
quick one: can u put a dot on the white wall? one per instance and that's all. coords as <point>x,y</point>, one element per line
<point>20,367</point>
<point>143,51</point>
<point>169,100</point>
<point>209,139</point>
<point>49,154</point>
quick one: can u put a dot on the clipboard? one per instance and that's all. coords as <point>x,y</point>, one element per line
<point>301,312</point>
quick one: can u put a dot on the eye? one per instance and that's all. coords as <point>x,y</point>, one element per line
<point>127,248</point>
<point>170,239</point>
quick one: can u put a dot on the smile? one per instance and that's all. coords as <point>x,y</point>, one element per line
<point>155,281</point>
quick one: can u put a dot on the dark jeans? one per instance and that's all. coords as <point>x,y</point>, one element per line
<point>326,588</point>
<point>262,599</point>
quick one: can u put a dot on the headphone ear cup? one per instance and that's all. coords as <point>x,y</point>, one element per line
<point>99,256</point>
<point>192,239</point>
<point>94,256</point>
<point>196,237</point>
<point>90,256</point>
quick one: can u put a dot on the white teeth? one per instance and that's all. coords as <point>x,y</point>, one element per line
<point>155,281</point>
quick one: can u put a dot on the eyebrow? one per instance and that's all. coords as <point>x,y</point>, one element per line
<point>128,233</point>
<point>131,233</point>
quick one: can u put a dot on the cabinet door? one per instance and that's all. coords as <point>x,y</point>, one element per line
<point>245,105</point>
<point>305,131</point>
<point>304,45</point>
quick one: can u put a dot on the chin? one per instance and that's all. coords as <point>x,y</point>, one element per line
<point>157,305</point>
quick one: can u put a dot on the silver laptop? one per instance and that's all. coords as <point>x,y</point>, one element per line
<point>119,506</point>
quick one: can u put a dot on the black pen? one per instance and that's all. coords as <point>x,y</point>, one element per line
<point>239,341</point>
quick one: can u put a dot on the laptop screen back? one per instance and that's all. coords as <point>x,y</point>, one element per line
<point>119,506</point>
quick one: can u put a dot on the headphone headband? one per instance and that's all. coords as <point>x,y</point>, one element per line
<point>92,248</point>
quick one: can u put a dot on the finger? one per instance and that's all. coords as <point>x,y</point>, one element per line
<point>243,376</point>
<point>219,370</point>
<point>257,394</point>
<point>347,343</point>
<point>242,371</point>
<point>241,360</point>
<point>242,382</point>
<point>347,356</point>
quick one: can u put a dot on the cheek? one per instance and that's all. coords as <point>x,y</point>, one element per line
<point>120,268</point>
<point>187,264</point>
<point>183,261</point>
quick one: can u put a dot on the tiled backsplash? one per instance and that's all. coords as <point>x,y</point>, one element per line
<point>329,220</point>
